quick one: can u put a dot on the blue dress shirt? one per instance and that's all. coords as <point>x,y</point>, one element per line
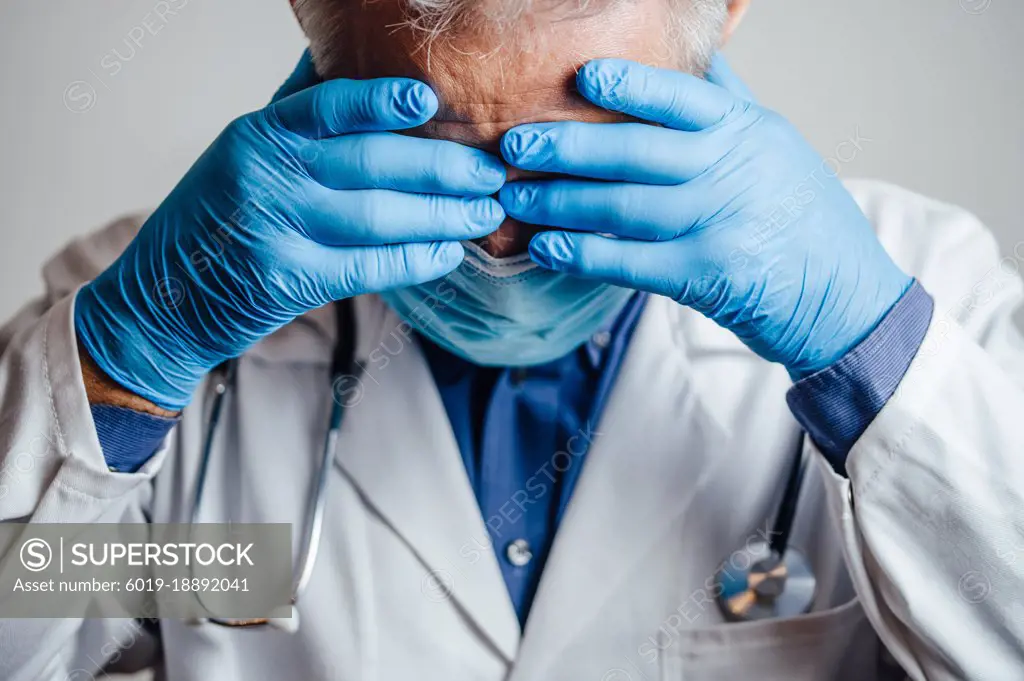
<point>522,433</point>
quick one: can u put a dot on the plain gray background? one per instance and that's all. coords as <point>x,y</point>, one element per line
<point>933,84</point>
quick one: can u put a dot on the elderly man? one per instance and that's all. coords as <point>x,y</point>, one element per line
<point>615,358</point>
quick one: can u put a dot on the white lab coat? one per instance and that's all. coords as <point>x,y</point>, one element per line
<point>919,550</point>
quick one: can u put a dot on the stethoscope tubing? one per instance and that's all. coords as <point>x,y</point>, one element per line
<point>342,364</point>
<point>782,530</point>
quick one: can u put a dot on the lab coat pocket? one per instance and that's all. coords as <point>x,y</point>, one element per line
<point>828,645</point>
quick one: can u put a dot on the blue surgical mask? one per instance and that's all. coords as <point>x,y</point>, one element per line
<point>507,311</point>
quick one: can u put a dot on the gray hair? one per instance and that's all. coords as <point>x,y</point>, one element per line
<point>692,36</point>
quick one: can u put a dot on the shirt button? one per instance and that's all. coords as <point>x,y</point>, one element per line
<point>518,552</point>
<point>602,339</point>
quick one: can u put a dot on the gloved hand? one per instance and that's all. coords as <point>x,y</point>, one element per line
<point>299,204</point>
<point>725,209</point>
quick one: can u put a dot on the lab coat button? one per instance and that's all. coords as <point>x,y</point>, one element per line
<point>518,552</point>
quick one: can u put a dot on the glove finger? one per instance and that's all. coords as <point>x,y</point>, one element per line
<point>409,164</point>
<point>344,106</point>
<point>638,265</point>
<point>382,216</point>
<point>354,271</point>
<point>629,152</point>
<point>302,77</point>
<point>632,211</point>
<point>721,74</point>
<point>670,98</point>
<point>670,270</point>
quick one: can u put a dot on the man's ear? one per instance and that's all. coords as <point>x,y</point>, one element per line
<point>300,15</point>
<point>295,10</point>
<point>737,8</point>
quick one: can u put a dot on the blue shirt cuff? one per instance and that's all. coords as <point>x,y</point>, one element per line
<point>128,437</point>
<point>836,405</point>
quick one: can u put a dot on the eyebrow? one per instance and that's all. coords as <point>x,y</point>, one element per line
<point>484,127</point>
<point>469,133</point>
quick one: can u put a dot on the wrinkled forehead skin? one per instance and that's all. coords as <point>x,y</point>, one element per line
<point>489,80</point>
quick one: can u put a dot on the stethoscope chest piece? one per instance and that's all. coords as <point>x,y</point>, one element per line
<point>760,584</point>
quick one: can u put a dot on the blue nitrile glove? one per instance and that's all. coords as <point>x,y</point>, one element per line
<point>725,209</point>
<point>299,204</point>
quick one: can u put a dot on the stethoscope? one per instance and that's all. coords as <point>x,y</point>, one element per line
<point>343,364</point>
<point>770,579</point>
<point>762,580</point>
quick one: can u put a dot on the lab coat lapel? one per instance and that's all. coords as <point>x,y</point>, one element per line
<point>398,447</point>
<point>652,452</point>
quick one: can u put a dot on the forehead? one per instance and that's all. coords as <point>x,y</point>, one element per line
<point>490,80</point>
